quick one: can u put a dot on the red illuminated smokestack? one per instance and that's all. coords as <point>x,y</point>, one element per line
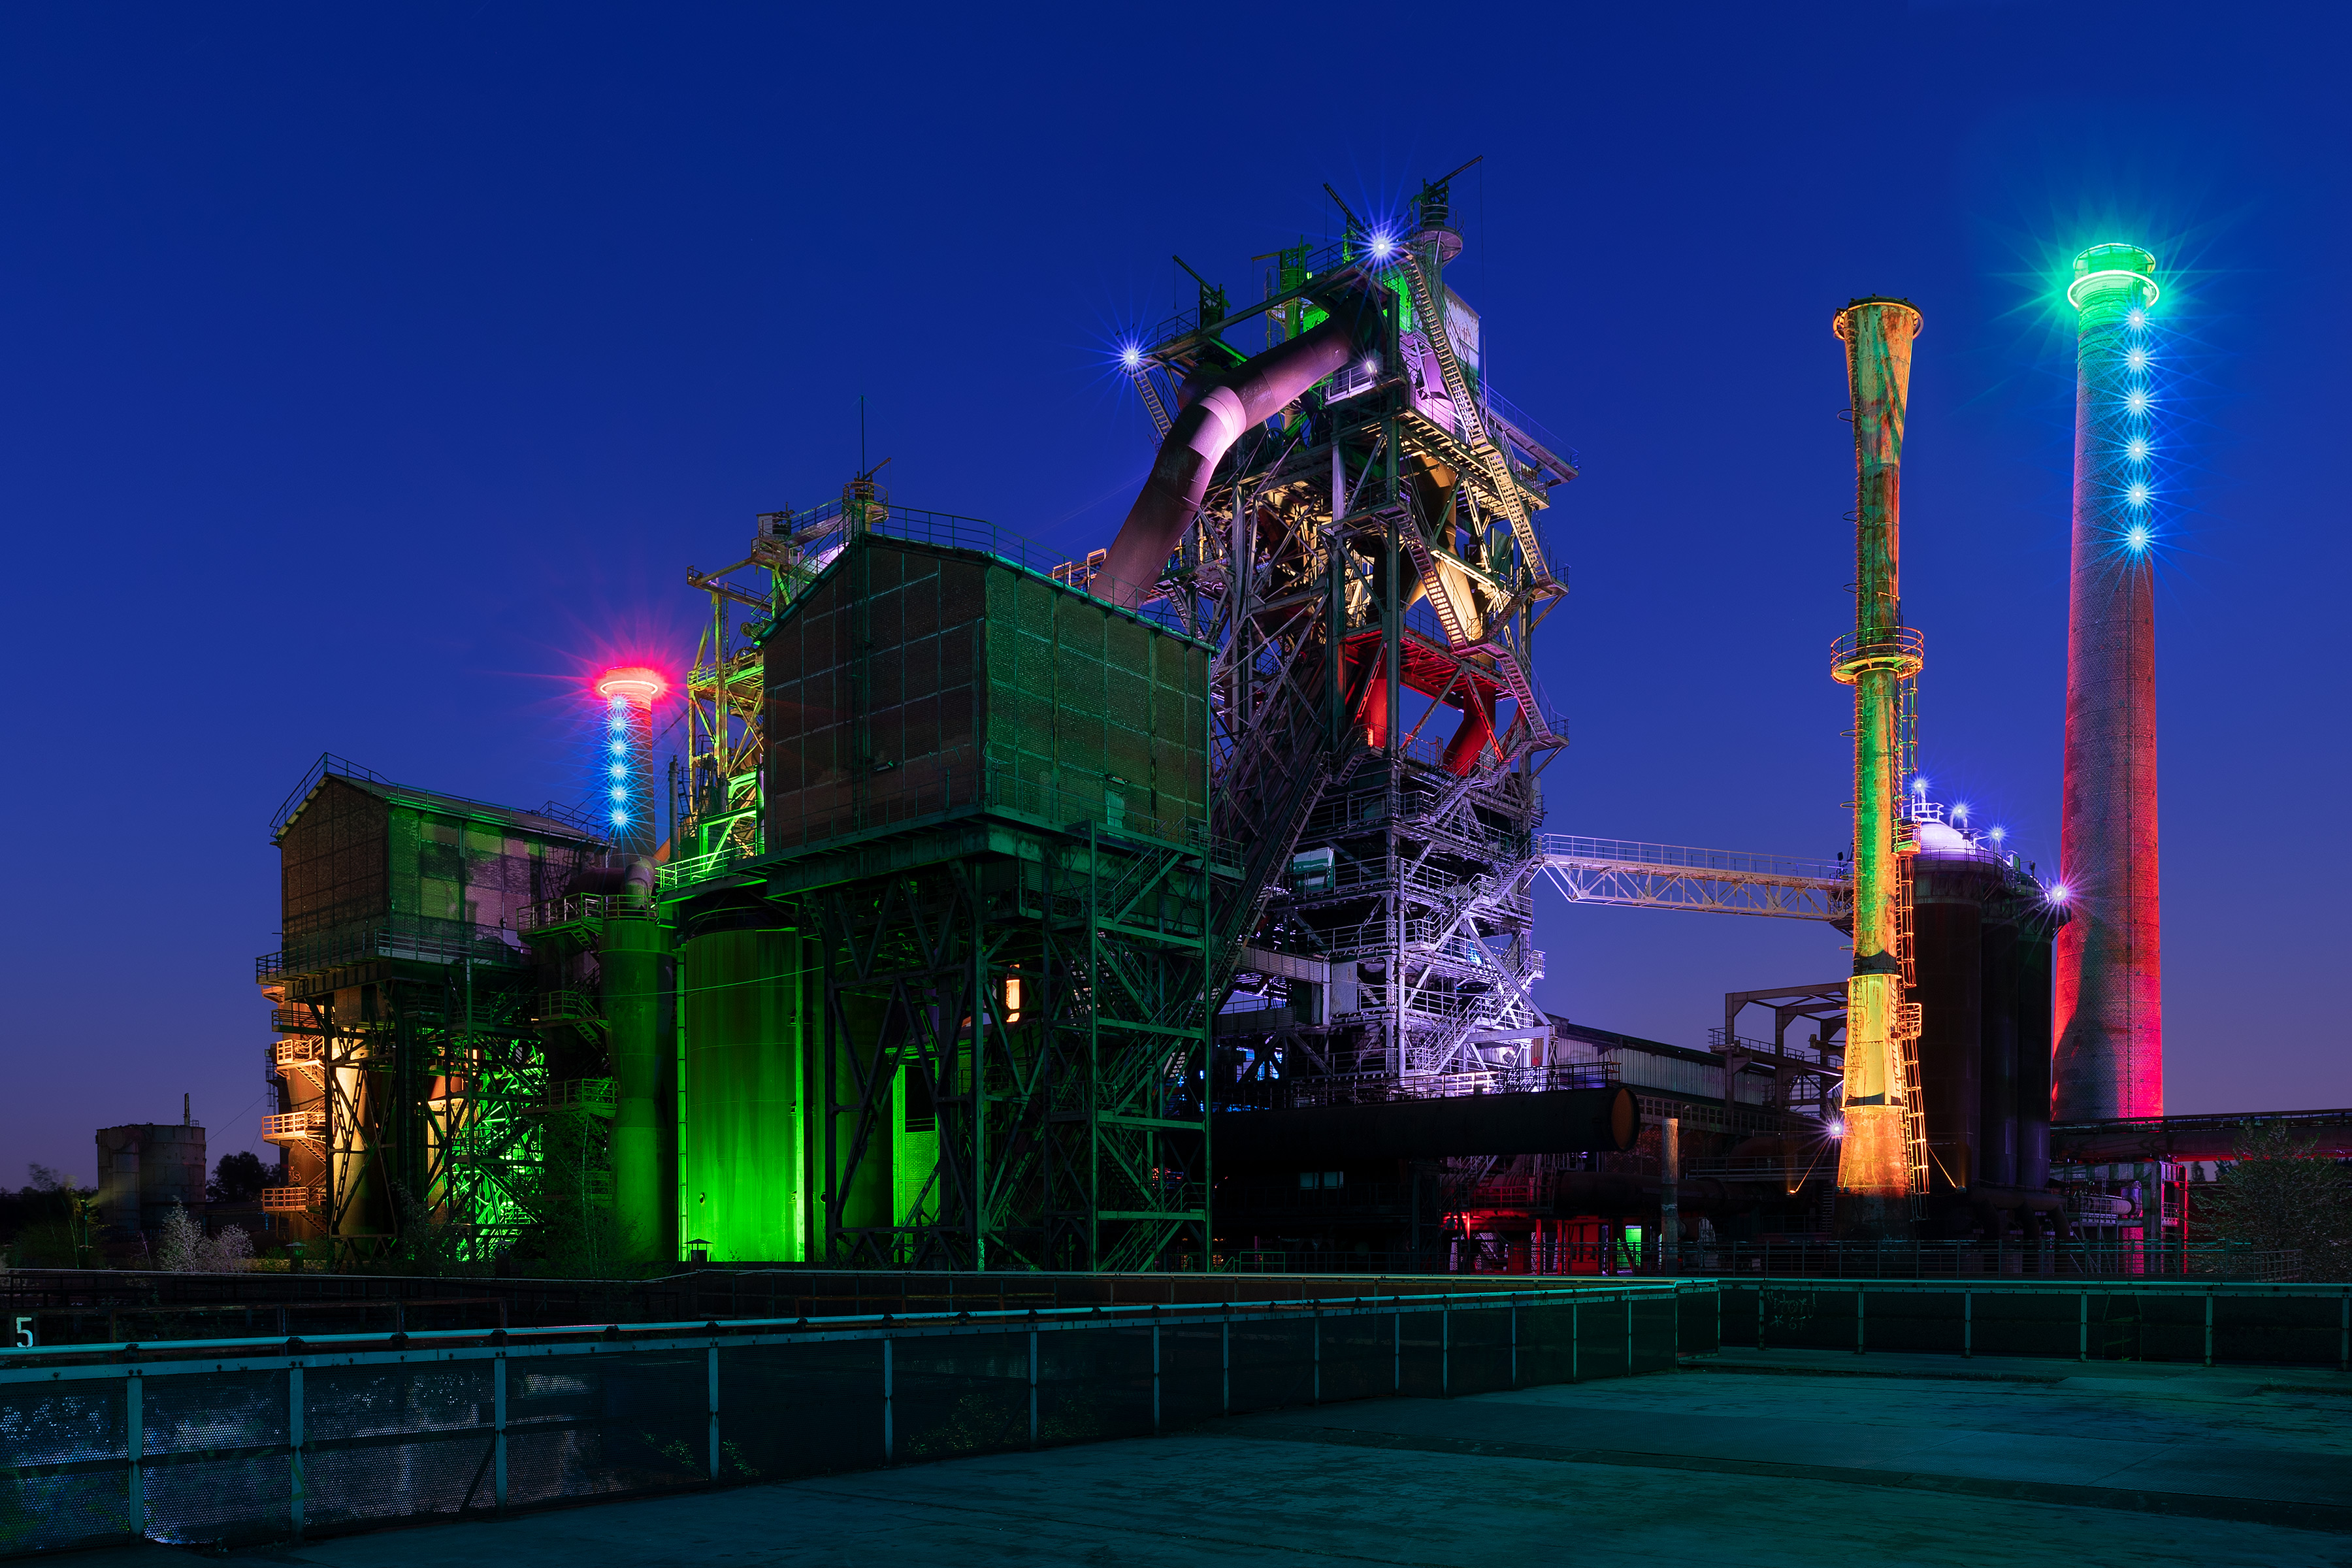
<point>2108,1023</point>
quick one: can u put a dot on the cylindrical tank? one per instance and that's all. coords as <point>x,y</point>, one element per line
<point>629,960</point>
<point>146,1167</point>
<point>2034,967</point>
<point>2109,998</point>
<point>1997,1063</point>
<point>745,1155</point>
<point>1950,881</point>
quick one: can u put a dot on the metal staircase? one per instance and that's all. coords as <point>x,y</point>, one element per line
<point>1160,421</point>
<point>1472,427</point>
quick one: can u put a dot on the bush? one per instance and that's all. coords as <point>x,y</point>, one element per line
<point>2281,1196</point>
<point>183,1248</point>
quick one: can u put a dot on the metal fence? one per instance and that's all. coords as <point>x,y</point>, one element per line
<point>233,1442</point>
<point>2078,1258</point>
<point>2280,1325</point>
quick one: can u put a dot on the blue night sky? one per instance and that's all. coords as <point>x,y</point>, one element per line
<point>370,373</point>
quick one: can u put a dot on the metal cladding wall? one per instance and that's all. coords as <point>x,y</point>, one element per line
<point>2034,974</point>
<point>333,859</point>
<point>1948,898</point>
<point>1982,937</point>
<point>2110,1006</point>
<point>987,804</point>
<point>914,679</point>
<point>744,1178</point>
<point>1997,1072</point>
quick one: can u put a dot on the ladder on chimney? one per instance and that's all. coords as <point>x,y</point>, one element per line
<point>1907,1025</point>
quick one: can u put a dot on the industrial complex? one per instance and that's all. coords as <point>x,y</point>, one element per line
<point>1170,908</point>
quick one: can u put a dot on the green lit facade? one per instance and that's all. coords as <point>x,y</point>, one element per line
<point>952,1011</point>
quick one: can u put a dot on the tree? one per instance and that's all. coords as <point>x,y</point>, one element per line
<point>2279,1195</point>
<point>49,1220</point>
<point>237,1179</point>
<point>183,1248</point>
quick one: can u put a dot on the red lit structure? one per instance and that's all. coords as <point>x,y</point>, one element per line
<point>2108,1025</point>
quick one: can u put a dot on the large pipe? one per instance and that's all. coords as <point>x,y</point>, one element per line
<point>1221,408</point>
<point>2110,1004</point>
<point>1873,1160</point>
<point>1548,1121</point>
<point>629,962</point>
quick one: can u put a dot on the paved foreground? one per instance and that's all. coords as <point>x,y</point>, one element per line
<point>1758,1459</point>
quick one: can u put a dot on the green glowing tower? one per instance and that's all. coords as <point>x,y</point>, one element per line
<point>1878,1159</point>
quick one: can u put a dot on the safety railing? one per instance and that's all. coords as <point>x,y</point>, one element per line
<point>292,1200</point>
<point>294,1126</point>
<point>2188,1320</point>
<point>417,938</point>
<point>574,1007</point>
<point>582,908</point>
<point>1903,650</point>
<point>301,1052</point>
<point>593,1096</point>
<point>239,1441</point>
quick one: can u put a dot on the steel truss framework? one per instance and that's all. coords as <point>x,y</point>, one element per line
<point>423,1094</point>
<point>1043,1009</point>
<point>1672,877</point>
<point>1370,570</point>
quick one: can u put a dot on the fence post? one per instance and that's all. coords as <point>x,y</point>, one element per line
<point>1444,1346</point>
<point>1155,1371</point>
<point>1225,1362</point>
<point>1759,1312</point>
<point>1396,1350</point>
<point>1629,1335</point>
<point>2083,1329</point>
<point>1514,1339</point>
<point>294,1510</point>
<point>714,1410</point>
<point>1575,1341</point>
<point>1033,1377</point>
<point>1315,1386</point>
<point>1967,1323</point>
<point>888,1451</point>
<point>2209,1325</point>
<point>2343,1334</point>
<point>135,1449</point>
<point>498,1431</point>
<point>1859,1330</point>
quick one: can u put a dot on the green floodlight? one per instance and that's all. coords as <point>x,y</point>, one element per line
<point>2113,266</point>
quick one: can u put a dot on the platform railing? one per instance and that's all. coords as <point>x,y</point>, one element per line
<point>238,1442</point>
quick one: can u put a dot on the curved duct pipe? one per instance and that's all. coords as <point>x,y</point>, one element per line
<point>1222,407</point>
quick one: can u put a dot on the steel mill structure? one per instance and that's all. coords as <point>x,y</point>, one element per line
<point>2110,1007</point>
<point>1884,1158</point>
<point>1167,907</point>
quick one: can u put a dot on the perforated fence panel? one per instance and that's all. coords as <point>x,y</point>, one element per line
<point>2283,1325</point>
<point>262,1441</point>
